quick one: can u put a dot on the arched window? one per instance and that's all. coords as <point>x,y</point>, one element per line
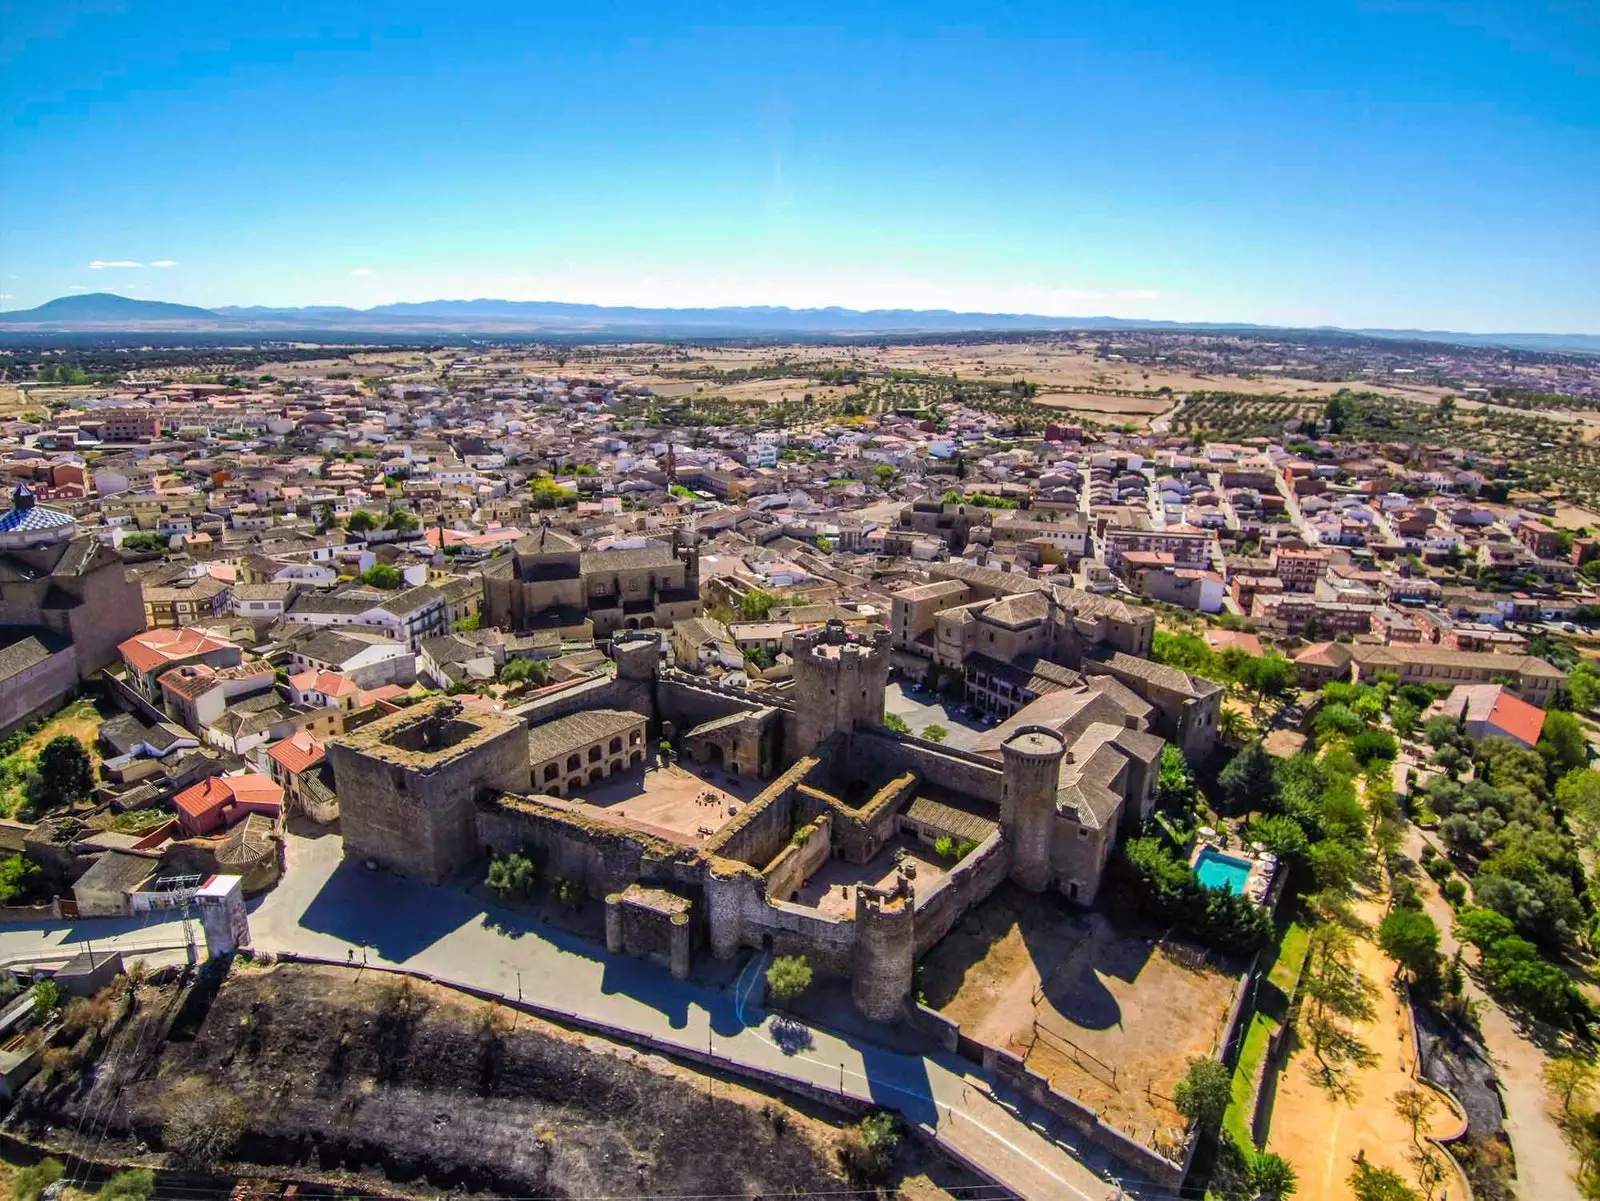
<point>616,744</point>
<point>573,763</point>
<point>594,754</point>
<point>550,772</point>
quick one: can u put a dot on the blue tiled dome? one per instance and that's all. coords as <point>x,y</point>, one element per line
<point>29,519</point>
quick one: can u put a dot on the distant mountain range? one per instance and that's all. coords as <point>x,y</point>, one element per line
<point>106,312</point>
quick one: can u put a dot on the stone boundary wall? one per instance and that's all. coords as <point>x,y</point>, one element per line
<point>968,883</point>
<point>744,837</point>
<point>21,915</point>
<point>765,698</point>
<point>795,864</point>
<point>828,942</point>
<point>603,858</point>
<point>574,696</point>
<point>1011,1070</point>
<point>958,771</point>
<point>861,833</point>
<point>945,1033</point>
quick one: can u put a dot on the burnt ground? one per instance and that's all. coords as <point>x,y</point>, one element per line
<point>362,1077</point>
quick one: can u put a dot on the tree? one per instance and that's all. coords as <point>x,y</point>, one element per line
<point>381,575</point>
<point>134,1184</point>
<point>46,996</point>
<point>1269,675</point>
<point>400,521</point>
<point>465,625</point>
<point>66,774</point>
<point>519,671</point>
<point>1175,788</point>
<point>757,604</point>
<point>512,876</point>
<point>1283,837</point>
<point>1563,743</point>
<point>361,522</point>
<point>1271,1176</point>
<point>897,723</point>
<point>884,474</point>
<point>1441,731</point>
<point>326,519</point>
<point>1204,1093</point>
<point>1583,686</point>
<point>1570,1077</point>
<point>30,1182</point>
<point>871,1146</point>
<point>1249,781</point>
<point>1369,1183</point>
<point>1403,717</point>
<point>934,732</point>
<point>1409,937</point>
<point>788,977</point>
<point>1414,1105</point>
<point>18,874</point>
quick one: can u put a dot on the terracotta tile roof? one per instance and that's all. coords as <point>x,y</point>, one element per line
<point>154,647</point>
<point>297,752</point>
<point>217,792</point>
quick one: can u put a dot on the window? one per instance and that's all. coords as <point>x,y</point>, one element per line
<point>594,754</point>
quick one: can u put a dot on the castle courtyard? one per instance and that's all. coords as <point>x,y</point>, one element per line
<point>832,889</point>
<point>681,803</point>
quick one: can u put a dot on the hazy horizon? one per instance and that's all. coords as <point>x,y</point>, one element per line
<point>1415,166</point>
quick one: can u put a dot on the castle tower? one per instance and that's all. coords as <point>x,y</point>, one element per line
<point>839,680</point>
<point>885,950</point>
<point>637,654</point>
<point>1032,775</point>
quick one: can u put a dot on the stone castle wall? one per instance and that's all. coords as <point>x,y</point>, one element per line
<point>889,751</point>
<point>940,907</point>
<point>797,862</point>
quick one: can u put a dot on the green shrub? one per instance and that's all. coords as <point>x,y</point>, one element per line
<point>135,1184</point>
<point>788,977</point>
<point>30,1182</point>
<point>511,877</point>
<point>1204,1093</point>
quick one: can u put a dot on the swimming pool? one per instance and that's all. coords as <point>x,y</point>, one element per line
<point>1216,870</point>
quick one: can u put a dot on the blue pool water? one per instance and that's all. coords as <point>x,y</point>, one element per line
<point>1216,870</point>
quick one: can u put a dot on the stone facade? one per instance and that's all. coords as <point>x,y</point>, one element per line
<point>550,582</point>
<point>407,784</point>
<point>839,683</point>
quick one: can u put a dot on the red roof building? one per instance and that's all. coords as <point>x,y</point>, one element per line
<point>220,801</point>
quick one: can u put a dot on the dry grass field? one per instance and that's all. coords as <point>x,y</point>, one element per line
<point>1107,1016</point>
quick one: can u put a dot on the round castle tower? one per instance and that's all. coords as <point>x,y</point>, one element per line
<point>839,680</point>
<point>1032,774</point>
<point>884,955</point>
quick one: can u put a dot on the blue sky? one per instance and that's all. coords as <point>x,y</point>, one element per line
<point>1400,164</point>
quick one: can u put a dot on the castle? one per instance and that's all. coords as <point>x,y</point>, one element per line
<point>861,852</point>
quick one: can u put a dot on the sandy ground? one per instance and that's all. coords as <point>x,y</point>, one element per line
<point>1321,1127</point>
<point>1109,1019</point>
<point>1545,1163</point>
<point>672,802</point>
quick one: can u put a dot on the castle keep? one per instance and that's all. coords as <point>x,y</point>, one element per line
<point>861,852</point>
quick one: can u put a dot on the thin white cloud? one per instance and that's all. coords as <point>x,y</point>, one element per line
<point>363,271</point>
<point>165,263</point>
<point>77,288</point>
<point>102,264</point>
<point>6,296</point>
